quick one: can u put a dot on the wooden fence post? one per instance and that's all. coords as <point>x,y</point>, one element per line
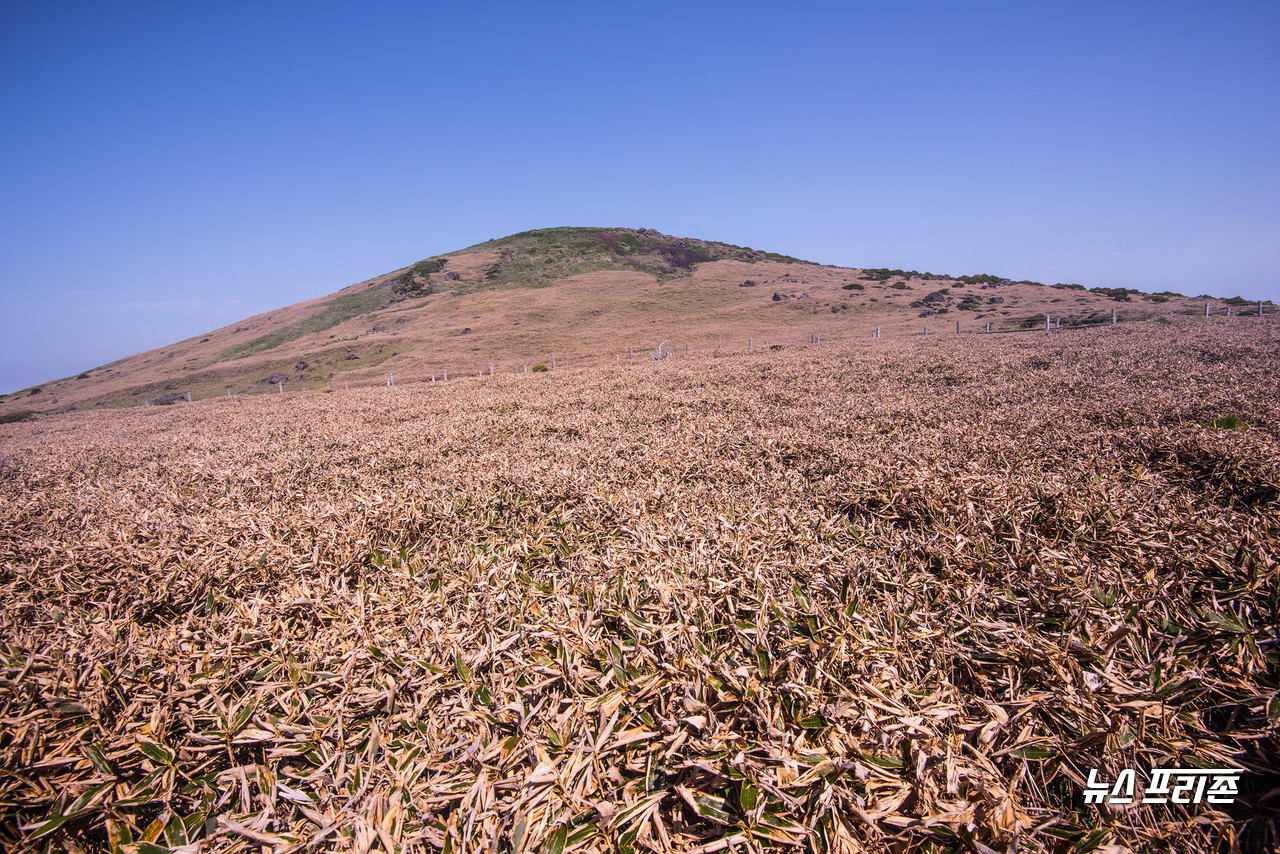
<point>330,383</point>
<point>189,393</point>
<point>147,402</point>
<point>1206,309</point>
<point>748,343</point>
<point>281,386</point>
<point>630,355</point>
<point>1058,323</point>
<point>926,330</point>
<point>446,374</point>
<point>957,327</point>
<point>686,346</point>
<point>553,361</point>
<point>346,386</point>
<point>1046,322</point>
<point>491,369</point>
<point>228,392</point>
<point>1113,317</point>
<point>988,325</point>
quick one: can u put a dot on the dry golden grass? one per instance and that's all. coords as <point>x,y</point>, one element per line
<point>886,595</point>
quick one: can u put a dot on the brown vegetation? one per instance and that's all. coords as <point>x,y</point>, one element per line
<point>868,595</point>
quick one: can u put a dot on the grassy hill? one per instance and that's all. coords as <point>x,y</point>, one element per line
<point>585,295</point>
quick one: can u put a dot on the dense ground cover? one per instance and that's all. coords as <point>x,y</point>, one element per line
<point>874,595</point>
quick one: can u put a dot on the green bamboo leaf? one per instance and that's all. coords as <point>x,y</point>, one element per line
<point>157,752</point>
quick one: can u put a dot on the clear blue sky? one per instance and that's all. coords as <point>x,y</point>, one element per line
<point>167,168</point>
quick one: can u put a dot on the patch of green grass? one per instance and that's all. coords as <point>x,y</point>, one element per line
<point>17,415</point>
<point>1228,422</point>
<point>335,311</point>
<point>537,369</point>
<point>532,257</point>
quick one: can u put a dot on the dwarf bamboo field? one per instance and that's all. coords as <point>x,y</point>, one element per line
<point>883,596</point>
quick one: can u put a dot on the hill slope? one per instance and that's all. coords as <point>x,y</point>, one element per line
<point>582,294</point>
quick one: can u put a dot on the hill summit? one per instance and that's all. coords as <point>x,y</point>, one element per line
<point>576,295</point>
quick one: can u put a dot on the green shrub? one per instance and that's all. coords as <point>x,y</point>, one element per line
<point>35,391</point>
<point>17,415</point>
<point>854,286</point>
<point>899,286</point>
<point>775,346</point>
<point>83,376</point>
<point>1228,422</point>
<point>1237,301</point>
<point>538,368</point>
<point>1117,294</point>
